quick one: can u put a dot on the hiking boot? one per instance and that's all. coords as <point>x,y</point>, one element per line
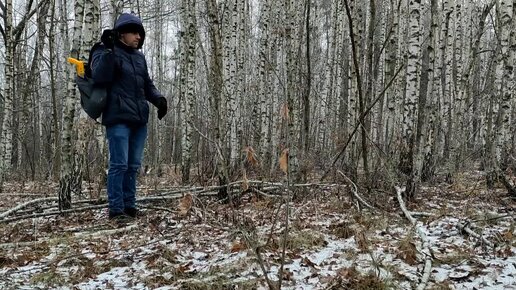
<point>133,212</point>
<point>119,218</point>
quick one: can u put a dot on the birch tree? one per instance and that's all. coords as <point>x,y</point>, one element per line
<point>498,125</point>
<point>11,36</point>
<point>425,161</point>
<point>69,182</point>
<point>426,85</point>
<point>6,133</point>
<point>411,99</point>
<point>262,139</point>
<point>187,83</point>
<point>230,81</point>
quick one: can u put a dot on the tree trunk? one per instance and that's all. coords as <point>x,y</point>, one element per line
<point>6,133</point>
<point>187,84</point>
<point>69,182</point>
<point>409,148</point>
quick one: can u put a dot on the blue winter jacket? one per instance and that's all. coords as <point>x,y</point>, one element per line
<point>124,72</point>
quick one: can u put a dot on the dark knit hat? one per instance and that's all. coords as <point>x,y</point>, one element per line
<point>131,27</point>
<point>130,23</point>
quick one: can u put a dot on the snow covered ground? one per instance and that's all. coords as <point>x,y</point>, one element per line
<point>208,245</point>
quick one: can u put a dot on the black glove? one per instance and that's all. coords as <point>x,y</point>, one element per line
<point>161,103</point>
<point>108,38</point>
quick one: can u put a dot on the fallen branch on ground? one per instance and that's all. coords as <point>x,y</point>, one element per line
<point>22,194</point>
<point>355,191</point>
<point>25,204</point>
<point>101,233</point>
<point>263,193</point>
<point>198,191</point>
<point>51,213</point>
<point>106,232</point>
<point>424,214</point>
<point>428,261</point>
<point>86,208</point>
<point>466,229</point>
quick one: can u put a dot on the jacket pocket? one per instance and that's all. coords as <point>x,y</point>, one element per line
<point>128,107</point>
<point>144,107</point>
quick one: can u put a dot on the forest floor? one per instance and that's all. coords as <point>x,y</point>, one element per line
<point>188,240</point>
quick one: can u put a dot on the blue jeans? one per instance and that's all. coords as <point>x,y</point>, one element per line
<point>125,158</point>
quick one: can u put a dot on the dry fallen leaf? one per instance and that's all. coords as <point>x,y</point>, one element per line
<point>185,205</point>
<point>184,268</point>
<point>307,262</point>
<point>283,161</point>
<point>288,275</point>
<point>237,247</point>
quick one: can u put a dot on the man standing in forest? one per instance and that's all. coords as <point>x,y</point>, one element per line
<point>120,65</point>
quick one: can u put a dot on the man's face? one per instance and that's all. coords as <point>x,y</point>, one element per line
<point>131,39</point>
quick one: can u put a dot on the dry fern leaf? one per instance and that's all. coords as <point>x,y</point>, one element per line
<point>185,204</point>
<point>251,156</point>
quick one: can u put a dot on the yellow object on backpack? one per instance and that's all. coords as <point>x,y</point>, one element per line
<point>79,66</point>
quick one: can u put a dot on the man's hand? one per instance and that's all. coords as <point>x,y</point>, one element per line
<point>162,107</point>
<point>108,38</point>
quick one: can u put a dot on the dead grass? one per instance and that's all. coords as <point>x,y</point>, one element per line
<point>407,250</point>
<point>315,221</point>
<point>49,278</point>
<point>351,279</point>
<point>305,239</point>
<point>219,283</point>
<point>34,254</point>
<point>454,258</point>
<point>342,230</point>
<point>441,286</point>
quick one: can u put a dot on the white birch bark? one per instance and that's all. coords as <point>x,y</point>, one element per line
<point>6,133</point>
<point>457,119</point>
<point>242,73</point>
<point>86,126</point>
<point>507,74</point>
<point>411,98</point>
<point>448,81</point>
<point>391,57</point>
<point>69,183</point>
<point>353,107</point>
<point>426,165</point>
<point>187,83</point>
<point>512,81</point>
<point>400,84</point>
<point>276,91</point>
<point>230,29</point>
<point>292,100</point>
<point>327,91</point>
<point>264,79</point>
<point>341,80</point>
<point>377,127</point>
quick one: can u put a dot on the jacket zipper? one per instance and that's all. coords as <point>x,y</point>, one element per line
<point>137,101</point>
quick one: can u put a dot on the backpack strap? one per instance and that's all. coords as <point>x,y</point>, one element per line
<point>90,58</point>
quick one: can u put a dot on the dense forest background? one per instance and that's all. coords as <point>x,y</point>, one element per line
<point>389,92</point>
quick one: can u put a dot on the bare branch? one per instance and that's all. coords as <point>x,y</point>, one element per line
<point>23,205</point>
<point>428,260</point>
<point>355,191</point>
<point>17,32</point>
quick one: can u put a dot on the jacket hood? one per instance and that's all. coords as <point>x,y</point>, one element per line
<point>130,23</point>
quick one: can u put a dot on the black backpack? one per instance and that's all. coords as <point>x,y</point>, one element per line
<point>93,96</point>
